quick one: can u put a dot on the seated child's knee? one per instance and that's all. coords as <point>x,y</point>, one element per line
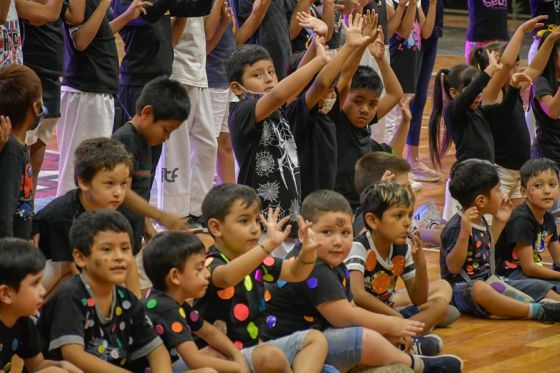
<point>443,288</point>
<point>269,359</point>
<point>316,338</point>
<point>480,289</point>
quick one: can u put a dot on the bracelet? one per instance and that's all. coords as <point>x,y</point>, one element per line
<point>304,262</point>
<point>264,249</point>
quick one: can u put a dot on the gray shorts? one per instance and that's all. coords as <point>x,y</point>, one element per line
<point>536,288</point>
<point>345,347</point>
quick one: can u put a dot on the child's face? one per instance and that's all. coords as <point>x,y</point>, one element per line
<point>259,77</point>
<point>30,296</point>
<point>393,225</point>
<point>157,133</point>
<point>493,201</point>
<point>333,232</point>
<point>194,276</point>
<point>107,189</point>
<point>110,258</point>
<point>542,190</point>
<point>240,230</point>
<point>360,106</point>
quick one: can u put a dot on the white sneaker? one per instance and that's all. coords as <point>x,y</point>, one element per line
<point>421,172</point>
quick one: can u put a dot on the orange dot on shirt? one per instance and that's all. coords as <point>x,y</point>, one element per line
<point>267,295</point>
<point>398,265</point>
<point>268,261</point>
<point>241,312</point>
<point>309,318</point>
<point>238,345</point>
<point>177,327</point>
<point>478,244</point>
<point>371,261</point>
<point>226,293</point>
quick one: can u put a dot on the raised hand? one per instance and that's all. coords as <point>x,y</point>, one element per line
<point>369,28</point>
<point>320,52</point>
<point>519,78</point>
<point>533,23</point>
<point>308,21</point>
<point>353,31</point>
<point>377,48</point>
<point>504,211</point>
<point>388,175</point>
<point>471,214</point>
<point>493,62</point>
<point>404,104</point>
<point>136,8</point>
<point>417,251</point>
<point>227,13</point>
<point>308,240</point>
<point>274,232</point>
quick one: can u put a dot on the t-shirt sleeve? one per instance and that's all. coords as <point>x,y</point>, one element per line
<point>377,147</point>
<point>322,285</point>
<point>65,317</point>
<point>356,259</point>
<point>409,266</point>
<point>30,346</point>
<point>449,237</point>
<point>543,88</point>
<point>131,147</point>
<point>244,118</point>
<point>170,322</point>
<point>144,338</point>
<point>271,267</point>
<point>521,230</point>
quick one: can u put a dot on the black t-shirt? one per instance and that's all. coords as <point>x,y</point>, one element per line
<point>299,43</point>
<point>512,142</point>
<point>53,224</point>
<point>173,322</point>
<point>487,20</point>
<point>240,307</point>
<point>141,172</point>
<point>315,136</point>
<point>95,69</point>
<point>550,8</point>
<point>21,340</point>
<point>148,48</point>
<point>293,306</point>
<point>267,157</point>
<point>273,34</point>
<point>523,228</point>
<point>404,50</point>
<point>16,189</point>
<point>477,262</point>
<point>352,144</point>
<point>469,128</point>
<point>548,129</point>
<point>71,317</point>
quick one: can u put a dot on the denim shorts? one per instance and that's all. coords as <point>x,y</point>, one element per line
<point>345,347</point>
<point>463,299</point>
<point>536,288</point>
<point>290,345</point>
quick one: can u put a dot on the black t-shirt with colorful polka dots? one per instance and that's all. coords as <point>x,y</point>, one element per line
<point>71,317</point>
<point>238,308</point>
<point>173,322</point>
<point>293,306</point>
<point>21,340</point>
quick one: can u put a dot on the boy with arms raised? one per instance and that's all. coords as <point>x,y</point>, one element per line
<point>531,227</point>
<point>467,252</point>
<point>102,177</point>
<point>91,320</point>
<point>261,137</point>
<point>356,336</point>
<point>20,103</point>
<point>21,294</point>
<point>174,261</point>
<point>239,265</point>
<point>384,253</point>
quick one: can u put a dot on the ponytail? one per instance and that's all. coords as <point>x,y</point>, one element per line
<point>438,145</point>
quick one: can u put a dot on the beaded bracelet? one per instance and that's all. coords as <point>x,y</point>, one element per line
<point>264,249</point>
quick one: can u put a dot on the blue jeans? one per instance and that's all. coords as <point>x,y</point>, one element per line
<point>426,61</point>
<point>345,347</point>
<point>534,287</point>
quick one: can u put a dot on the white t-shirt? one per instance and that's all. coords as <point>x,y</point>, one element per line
<point>189,56</point>
<point>10,39</point>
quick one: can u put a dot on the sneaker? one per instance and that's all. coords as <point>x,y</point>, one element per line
<point>420,172</point>
<point>427,345</point>
<point>415,185</point>
<point>426,216</point>
<point>439,364</point>
<point>452,315</point>
<point>550,312</point>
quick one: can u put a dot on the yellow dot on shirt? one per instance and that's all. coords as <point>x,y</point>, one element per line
<point>248,283</point>
<point>118,311</point>
<point>253,330</point>
<point>101,349</point>
<point>182,313</point>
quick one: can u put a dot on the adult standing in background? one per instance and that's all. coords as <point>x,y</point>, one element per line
<point>487,22</point>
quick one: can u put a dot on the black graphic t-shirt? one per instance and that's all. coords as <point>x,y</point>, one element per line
<point>239,308</point>
<point>21,340</point>
<point>71,317</point>
<point>16,189</point>
<point>291,307</point>
<point>477,263</point>
<point>380,274</point>
<point>267,157</point>
<point>487,20</point>
<point>523,228</point>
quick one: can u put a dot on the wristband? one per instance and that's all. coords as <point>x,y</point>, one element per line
<point>264,249</point>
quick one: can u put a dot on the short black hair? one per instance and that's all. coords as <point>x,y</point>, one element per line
<point>323,201</point>
<point>217,203</point>
<point>470,178</point>
<point>20,87</point>
<point>99,154</point>
<point>380,197</point>
<point>168,98</point>
<point>168,250</point>
<point>367,78</point>
<point>18,258</point>
<point>534,167</point>
<point>370,168</point>
<point>244,55</point>
<point>86,226</point>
